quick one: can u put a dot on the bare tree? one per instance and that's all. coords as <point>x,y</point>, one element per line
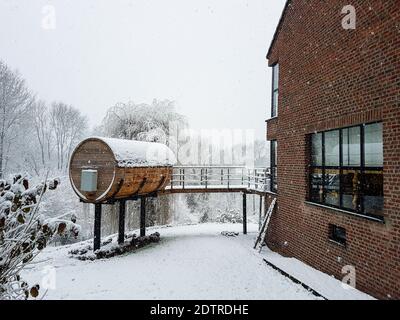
<point>15,100</point>
<point>68,126</point>
<point>42,129</point>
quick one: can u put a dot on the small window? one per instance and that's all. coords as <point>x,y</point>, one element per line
<point>337,234</point>
<point>274,163</point>
<point>275,90</point>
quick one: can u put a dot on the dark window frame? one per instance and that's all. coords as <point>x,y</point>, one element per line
<point>362,168</point>
<point>274,104</point>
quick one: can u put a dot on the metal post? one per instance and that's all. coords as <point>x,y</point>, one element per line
<point>244,213</point>
<point>260,213</point>
<point>172,179</point>
<point>97,227</point>
<point>121,230</point>
<point>142,216</point>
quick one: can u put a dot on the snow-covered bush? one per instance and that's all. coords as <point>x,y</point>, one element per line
<point>24,232</point>
<point>110,248</point>
<point>229,216</point>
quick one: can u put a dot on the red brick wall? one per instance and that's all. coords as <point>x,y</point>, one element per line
<point>331,78</point>
<point>272,128</point>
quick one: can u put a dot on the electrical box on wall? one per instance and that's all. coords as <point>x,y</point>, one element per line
<point>89,180</point>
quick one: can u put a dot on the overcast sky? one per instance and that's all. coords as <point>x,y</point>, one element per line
<point>207,55</point>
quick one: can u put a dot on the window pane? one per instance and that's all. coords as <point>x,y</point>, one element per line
<point>373,145</point>
<point>373,192</point>
<point>332,148</point>
<point>316,149</point>
<point>274,176</point>
<point>316,186</point>
<point>351,186</point>
<point>351,147</point>
<point>275,71</point>
<point>274,150</point>
<point>275,103</point>
<point>274,162</point>
<point>332,187</point>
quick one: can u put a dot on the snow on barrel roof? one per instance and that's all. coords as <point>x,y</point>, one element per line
<point>132,153</point>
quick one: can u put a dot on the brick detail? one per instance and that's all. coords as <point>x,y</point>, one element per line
<point>272,128</point>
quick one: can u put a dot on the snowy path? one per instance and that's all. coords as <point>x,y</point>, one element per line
<point>190,262</point>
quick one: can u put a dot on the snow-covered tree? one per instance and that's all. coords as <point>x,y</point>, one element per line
<point>141,121</point>
<point>24,232</point>
<point>43,132</point>
<point>68,126</point>
<point>15,101</point>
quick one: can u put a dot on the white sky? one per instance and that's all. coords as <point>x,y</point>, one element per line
<point>208,56</point>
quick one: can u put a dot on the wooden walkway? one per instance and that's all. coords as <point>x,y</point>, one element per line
<point>217,179</point>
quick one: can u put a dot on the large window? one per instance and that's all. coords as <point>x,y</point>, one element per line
<point>275,90</point>
<point>347,169</point>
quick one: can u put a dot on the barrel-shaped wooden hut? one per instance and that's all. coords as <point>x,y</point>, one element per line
<point>106,169</point>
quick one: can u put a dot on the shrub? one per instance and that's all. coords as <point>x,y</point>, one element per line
<point>24,232</point>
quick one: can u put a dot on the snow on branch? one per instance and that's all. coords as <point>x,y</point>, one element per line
<point>24,232</point>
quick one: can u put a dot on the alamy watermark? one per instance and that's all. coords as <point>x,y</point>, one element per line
<point>349,279</point>
<point>349,21</point>
<point>49,278</point>
<point>225,147</point>
<point>49,18</point>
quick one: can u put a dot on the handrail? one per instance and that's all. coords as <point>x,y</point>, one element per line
<point>210,177</point>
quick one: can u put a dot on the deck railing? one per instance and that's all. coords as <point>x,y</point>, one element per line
<point>221,177</point>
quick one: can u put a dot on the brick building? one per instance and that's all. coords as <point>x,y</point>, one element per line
<point>335,127</point>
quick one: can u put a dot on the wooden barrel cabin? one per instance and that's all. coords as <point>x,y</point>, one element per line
<point>105,169</point>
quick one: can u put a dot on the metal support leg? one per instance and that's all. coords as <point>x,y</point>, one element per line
<point>97,227</point>
<point>244,213</point>
<point>142,216</point>
<point>121,226</point>
<point>260,213</point>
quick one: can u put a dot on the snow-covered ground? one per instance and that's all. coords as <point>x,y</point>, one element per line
<point>190,262</point>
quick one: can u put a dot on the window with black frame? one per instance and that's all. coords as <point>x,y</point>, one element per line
<point>274,163</point>
<point>275,90</point>
<point>346,169</point>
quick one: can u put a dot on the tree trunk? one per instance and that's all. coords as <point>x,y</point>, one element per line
<point>1,155</point>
